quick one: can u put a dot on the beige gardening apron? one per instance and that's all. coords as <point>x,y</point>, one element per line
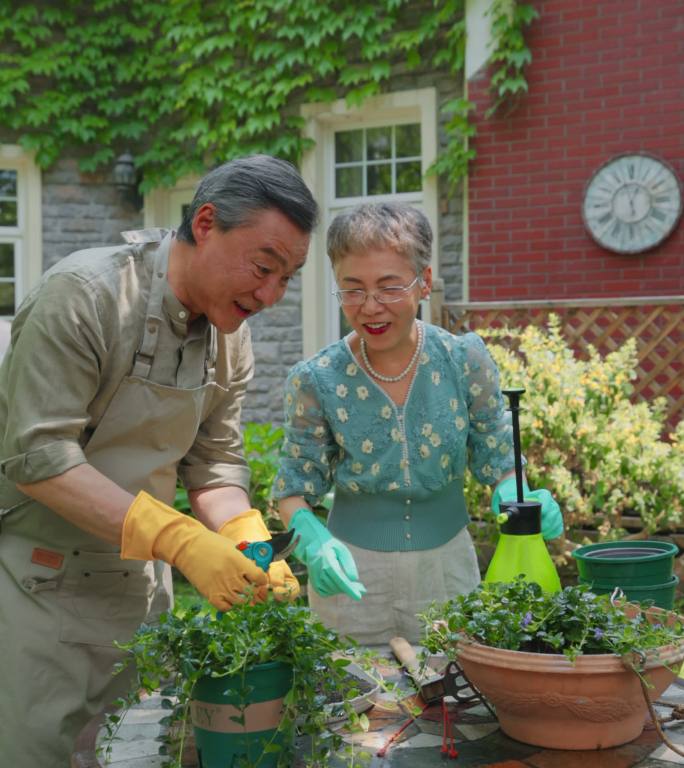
<point>67,595</point>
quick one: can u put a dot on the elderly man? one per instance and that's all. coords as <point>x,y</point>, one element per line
<point>127,368</point>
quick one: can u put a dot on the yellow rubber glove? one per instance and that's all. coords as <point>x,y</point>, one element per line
<point>250,526</point>
<point>214,565</point>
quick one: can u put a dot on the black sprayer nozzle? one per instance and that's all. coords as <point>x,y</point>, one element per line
<point>513,396</point>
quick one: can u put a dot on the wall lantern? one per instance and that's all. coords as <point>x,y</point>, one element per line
<point>126,181</point>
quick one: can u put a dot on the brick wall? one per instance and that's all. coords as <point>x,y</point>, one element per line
<point>607,77</point>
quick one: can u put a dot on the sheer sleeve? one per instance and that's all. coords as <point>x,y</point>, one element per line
<point>309,450</point>
<point>490,437</point>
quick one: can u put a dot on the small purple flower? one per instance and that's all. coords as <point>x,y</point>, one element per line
<point>598,633</point>
<point>527,619</point>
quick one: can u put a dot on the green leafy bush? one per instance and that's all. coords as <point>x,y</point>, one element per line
<point>520,616</point>
<point>602,456</point>
<point>262,451</point>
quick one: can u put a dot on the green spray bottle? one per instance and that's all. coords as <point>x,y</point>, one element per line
<point>521,549</point>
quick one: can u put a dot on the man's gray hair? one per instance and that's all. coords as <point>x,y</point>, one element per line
<point>243,187</point>
<point>398,226</point>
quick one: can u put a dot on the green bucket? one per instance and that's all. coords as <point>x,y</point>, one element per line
<point>236,718</point>
<point>626,564</point>
<point>660,595</point>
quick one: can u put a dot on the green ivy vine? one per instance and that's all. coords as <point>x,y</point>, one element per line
<point>186,84</point>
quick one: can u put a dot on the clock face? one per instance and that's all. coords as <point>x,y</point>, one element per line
<point>632,203</point>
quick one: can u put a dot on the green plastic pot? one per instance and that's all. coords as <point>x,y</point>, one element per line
<point>660,595</point>
<point>626,564</point>
<point>235,719</point>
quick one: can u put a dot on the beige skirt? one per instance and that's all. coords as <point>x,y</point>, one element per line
<point>400,585</point>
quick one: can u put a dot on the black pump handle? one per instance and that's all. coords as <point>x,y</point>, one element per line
<point>513,396</point>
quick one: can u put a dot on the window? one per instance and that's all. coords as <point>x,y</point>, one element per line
<point>21,260</point>
<point>378,161</point>
<point>378,152</point>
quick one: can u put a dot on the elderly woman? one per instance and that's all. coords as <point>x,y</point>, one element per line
<point>390,416</point>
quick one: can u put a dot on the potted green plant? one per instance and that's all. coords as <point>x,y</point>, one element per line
<point>247,681</point>
<point>565,670</point>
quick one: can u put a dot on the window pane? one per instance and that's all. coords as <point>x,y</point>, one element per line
<point>8,183</point>
<point>8,213</point>
<point>348,182</point>
<point>380,179</point>
<point>6,260</point>
<point>408,140</point>
<point>348,146</point>
<point>6,298</point>
<point>379,143</point>
<point>409,177</point>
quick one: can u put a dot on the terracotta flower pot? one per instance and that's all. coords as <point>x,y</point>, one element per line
<point>546,700</point>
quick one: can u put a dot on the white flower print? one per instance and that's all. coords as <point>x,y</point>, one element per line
<point>453,404</point>
<point>459,421</point>
<point>436,378</point>
<point>296,451</point>
<point>435,440</point>
<point>392,486</point>
<point>367,446</point>
<point>324,362</point>
<point>444,461</point>
<point>386,412</point>
<point>341,390</point>
<point>299,410</point>
<point>308,466</point>
<point>353,486</point>
<point>296,382</point>
<point>309,487</point>
<point>339,438</point>
<point>352,368</point>
<point>403,464</point>
<point>491,441</point>
<point>481,426</point>
<point>487,470</point>
<point>489,374</point>
<point>324,459</point>
<point>504,448</point>
<point>281,484</point>
<point>319,431</point>
<point>475,389</point>
<point>289,399</point>
<point>491,401</point>
<point>497,473</point>
<point>342,414</point>
<point>357,467</point>
<point>466,369</point>
<point>362,392</point>
<point>426,430</point>
<point>396,435</point>
<point>424,450</point>
<point>424,358</point>
<point>375,469</point>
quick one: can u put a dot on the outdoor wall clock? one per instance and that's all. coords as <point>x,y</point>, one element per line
<point>632,203</point>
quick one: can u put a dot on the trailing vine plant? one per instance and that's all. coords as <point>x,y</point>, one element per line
<point>187,84</point>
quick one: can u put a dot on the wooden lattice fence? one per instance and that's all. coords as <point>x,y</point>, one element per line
<point>657,324</point>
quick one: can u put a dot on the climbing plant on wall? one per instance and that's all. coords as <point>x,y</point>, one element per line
<point>186,84</point>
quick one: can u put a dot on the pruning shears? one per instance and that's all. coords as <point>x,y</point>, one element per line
<point>265,552</point>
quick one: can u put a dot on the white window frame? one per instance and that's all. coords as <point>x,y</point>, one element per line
<point>319,309</point>
<point>163,207</point>
<point>27,236</point>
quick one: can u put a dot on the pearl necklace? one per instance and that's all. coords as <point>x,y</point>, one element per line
<point>392,379</point>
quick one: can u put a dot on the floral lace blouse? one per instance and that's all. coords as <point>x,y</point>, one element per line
<point>342,428</point>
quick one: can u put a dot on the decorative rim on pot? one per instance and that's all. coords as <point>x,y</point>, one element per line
<point>626,551</point>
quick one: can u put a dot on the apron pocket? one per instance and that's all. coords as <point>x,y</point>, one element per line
<point>103,599</point>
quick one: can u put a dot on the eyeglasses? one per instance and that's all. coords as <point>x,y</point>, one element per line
<point>355,297</point>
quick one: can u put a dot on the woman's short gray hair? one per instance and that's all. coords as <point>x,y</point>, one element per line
<point>382,225</point>
<point>245,186</point>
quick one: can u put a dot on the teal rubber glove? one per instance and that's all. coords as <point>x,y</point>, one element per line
<point>331,567</point>
<point>551,517</point>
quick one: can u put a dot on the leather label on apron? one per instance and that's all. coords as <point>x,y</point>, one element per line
<point>47,558</point>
